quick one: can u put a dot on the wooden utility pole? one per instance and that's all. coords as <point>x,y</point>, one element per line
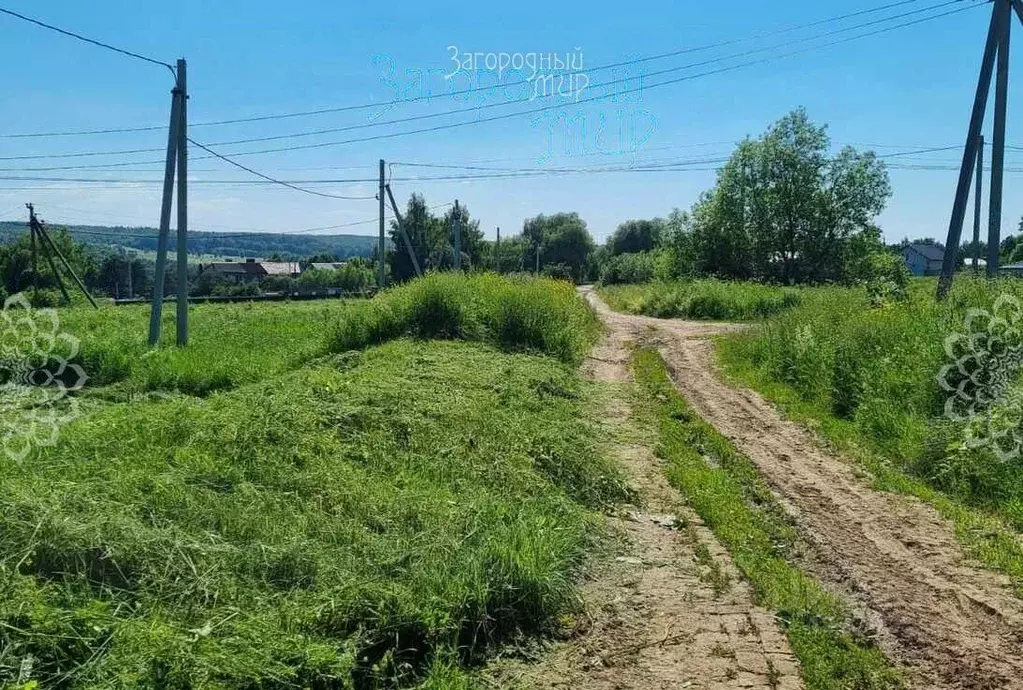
<point>497,250</point>
<point>382,273</point>
<point>995,49</point>
<point>458,237</point>
<point>978,195</point>
<point>176,143</point>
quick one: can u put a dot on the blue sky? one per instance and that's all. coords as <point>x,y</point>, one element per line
<point>892,92</point>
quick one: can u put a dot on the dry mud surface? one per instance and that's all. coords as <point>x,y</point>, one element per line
<point>952,623</point>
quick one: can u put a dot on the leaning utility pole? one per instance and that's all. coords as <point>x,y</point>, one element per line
<point>977,203</point>
<point>382,273</point>
<point>41,240</point>
<point>176,153</point>
<point>996,50</point>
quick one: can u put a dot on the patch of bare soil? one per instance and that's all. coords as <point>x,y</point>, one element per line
<point>955,624</point>
<point>668,610</point>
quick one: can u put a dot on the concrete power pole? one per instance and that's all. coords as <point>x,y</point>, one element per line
<point>996,49</point>
<point>458,238</point>
<point>182,207</point>
<point>173,148</point>
<point>381,274</point>
<point>977,203</point>
<point>994,228</point>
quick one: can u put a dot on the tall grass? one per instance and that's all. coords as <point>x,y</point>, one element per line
<point>875,370</point>
<point>230,344</point>
<point>529,314</point>
<point>237,344</point>
<point>701,299</point>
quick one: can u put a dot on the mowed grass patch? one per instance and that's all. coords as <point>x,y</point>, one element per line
<point>229,344</point>
<point>723,487</point>
<point>375,519</point>
<point>701,299</point>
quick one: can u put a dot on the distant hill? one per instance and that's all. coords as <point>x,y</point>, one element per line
<point>215,243</point>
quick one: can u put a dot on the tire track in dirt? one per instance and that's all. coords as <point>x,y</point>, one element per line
<point>955,624</point>
<point>669,610</point>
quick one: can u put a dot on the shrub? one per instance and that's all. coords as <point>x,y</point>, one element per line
<point>628,269</point>
<point>702,299</point>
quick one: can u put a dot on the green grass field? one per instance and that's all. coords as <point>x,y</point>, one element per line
<point>337,496</point>
<point>701,299</point>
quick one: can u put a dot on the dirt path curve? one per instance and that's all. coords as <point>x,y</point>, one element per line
<point>668,610</point>
<point>957,625</point>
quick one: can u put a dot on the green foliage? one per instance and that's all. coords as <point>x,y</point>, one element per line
<point>723,487</point>
<point>290,247</point>
<point>628,269</point>
<point>562,239</point>
<point>784,209</point>
<point>433,239</point>
<point>701,299</point>
<point>513,313</point>
<point>636,236</point>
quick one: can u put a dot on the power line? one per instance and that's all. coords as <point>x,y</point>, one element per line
<point>670,70</point>
<point>624,63</point>
<point>596,98</point>
<point>459,111</point>
<point>271,179</point>
<point>94,42</point>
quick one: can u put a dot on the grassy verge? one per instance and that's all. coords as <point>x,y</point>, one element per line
<point>700,299</point>
<point>724,489</point>
<point>374,518</point>
<point>988,535</point>
<point>866,378</point>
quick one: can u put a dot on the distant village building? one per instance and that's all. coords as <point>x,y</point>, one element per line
<point>251,270</point>
<point>923,259</point>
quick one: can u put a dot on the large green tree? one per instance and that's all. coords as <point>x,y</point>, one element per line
<point>785,209</point>
<point>635,236</point>
<point>562,239</point>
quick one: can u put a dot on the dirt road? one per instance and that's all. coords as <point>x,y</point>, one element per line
<point>667,610</point>
<point>954,624</point>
